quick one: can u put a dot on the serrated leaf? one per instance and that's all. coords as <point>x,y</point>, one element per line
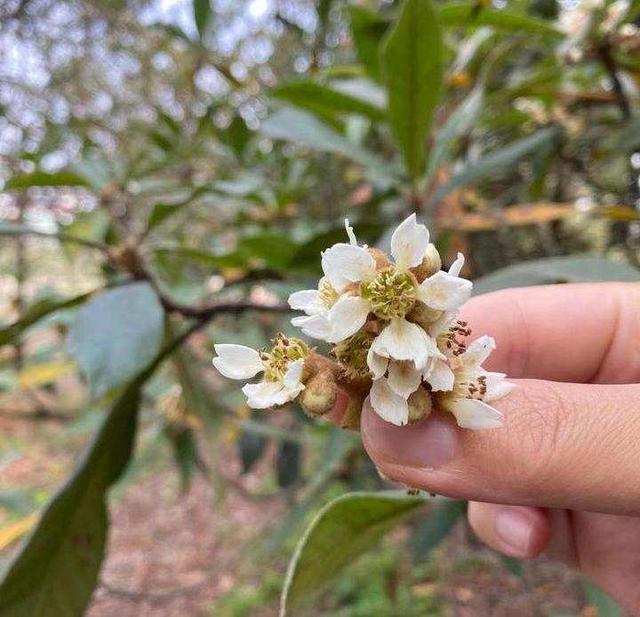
<point>116,334</point>
<point>342,531</point>
<point>412,69</point>
<point>574,269</point>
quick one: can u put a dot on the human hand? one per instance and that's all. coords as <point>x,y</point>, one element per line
<point>562,477</point>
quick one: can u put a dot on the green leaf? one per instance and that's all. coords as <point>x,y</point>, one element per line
<point>574,269</point>
<point>470,13</point>
<point>288,463</point>
<point>251,447</point>
<point>324,100</point>
<point>43,178</point>
<point>185,453</point>
<point>368,29</point>
<point>603,603</point>
<point>307,130</point>
<point>35,313</point>
<point>202,16</point>
<point>459,123</point>
<point>342,531</point>
<point>435,527</point>
<point>337,446</point>
<point>499,161</point>
<point>116,334</point>
<point>57,569</point>
<point>412,66</point>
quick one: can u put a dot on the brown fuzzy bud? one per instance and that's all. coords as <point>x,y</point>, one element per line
<point>319,395</point>
<point>424,316</point>
<point>420,405</point>
<point>351,418</point>
<point>382,261</point>
<point>431,263</point>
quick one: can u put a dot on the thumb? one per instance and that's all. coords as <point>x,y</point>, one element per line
<point>562,445</point>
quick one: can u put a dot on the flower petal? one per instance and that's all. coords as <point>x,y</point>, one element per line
<point>353,241</point>
<point>404,378</point>
<point>474,414</point>
<point>497,387</point>
<point>403,340</point>
<point>387,404</point>
<point>264,394</point>
<point>444,292</point>
<point>477,352</point>
<point>347,316</point>
<point>409,243</point>
<point>314,326</point>
<point>377,363</point>
<point>237,361</point>
<point>444,322</point>
<point>439,376</point>
<point>457,265</point>
<point>306,300</point>
<point>293,376</point>
<point>343,264</point>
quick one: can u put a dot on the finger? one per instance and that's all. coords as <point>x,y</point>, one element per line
<point>562,445</point>
<point>515,531</point>
<point>574,333</point>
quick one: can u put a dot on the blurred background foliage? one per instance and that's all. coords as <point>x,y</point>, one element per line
<point>171,171</point>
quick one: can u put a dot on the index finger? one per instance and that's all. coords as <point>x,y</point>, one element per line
<point>586,333</point>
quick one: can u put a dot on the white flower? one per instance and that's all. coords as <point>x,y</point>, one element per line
<point>388,395</point>
<point>282,367</point>
<point>446,291</point>
<point>474,388</point>
<point>390,293</point>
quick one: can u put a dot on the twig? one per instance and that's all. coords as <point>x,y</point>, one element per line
<point>606,57</point>
<point>60,235</point>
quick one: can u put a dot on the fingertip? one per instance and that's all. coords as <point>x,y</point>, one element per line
<point>515,531</point>
<point>426,445</point>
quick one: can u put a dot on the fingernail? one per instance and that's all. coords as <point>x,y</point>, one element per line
<point>514,528</point>
<point>429,444</point>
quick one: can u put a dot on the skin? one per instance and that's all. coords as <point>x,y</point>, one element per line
<point>562,476</point>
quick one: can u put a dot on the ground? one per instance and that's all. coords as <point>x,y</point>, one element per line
<point>197,554</point>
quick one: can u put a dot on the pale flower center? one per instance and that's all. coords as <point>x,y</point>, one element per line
<point>327,294</point>
<point>392,293</point>
<point>284,351</point>
<point>473,389</point>
<point>352,354</point>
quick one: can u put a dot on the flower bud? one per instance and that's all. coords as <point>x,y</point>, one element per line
<point>351,418</point>
<point>420,405</point>
<point>319,395</point>
<point>431,263</point>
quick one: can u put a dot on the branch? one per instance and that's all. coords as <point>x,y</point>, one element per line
<point>606,57</point>
<point>10,229</point>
